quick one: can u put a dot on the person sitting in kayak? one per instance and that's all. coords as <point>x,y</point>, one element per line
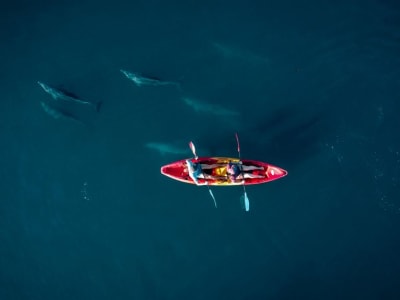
<point>195,171</point>
<point>234,171</point>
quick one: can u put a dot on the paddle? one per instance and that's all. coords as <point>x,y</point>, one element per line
<point>193,148</point>
<point>244,197</point>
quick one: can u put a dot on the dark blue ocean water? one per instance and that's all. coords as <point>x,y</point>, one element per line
<point>310,86</point>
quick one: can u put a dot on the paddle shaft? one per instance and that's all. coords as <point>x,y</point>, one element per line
<point>193,148</point>
<point>241,171</point>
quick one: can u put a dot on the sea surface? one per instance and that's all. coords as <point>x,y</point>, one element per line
<point>310,86</point>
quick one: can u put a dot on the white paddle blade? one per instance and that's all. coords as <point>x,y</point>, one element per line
<point>212,196</point>
<point>193,148</point>
<point>245,202</point>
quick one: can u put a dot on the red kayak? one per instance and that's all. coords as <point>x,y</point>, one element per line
<point>222,171</point>
<point>214,171</point>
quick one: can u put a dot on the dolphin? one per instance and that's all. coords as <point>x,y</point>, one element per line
<point>164,148</point>
<point>199,106</point>
<point>59,113</point>
<point>141,80</point>
<point>59,94</point>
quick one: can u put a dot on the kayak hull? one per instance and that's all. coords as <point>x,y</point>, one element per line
<point>214,171</point>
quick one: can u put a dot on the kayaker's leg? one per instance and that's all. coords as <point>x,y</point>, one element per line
<point>251,168</point>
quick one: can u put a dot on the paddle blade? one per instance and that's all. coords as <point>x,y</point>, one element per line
<point>212,196</point>
<point>193,148</point>
<point>245,202</point>
<point>237,141</point>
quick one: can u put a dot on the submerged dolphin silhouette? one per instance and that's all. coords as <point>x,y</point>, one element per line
<point>164,148</point>
<point>59,113</point>
<point>141,80</point>
<point>218,110</point>
<point>60,94</point>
